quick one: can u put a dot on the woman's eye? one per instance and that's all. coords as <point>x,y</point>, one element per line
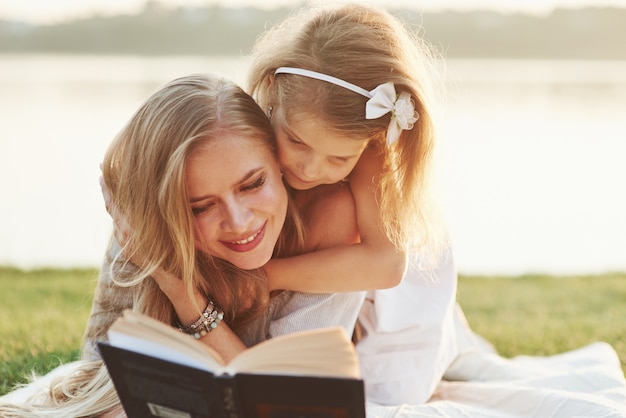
<point>201,209</point>
<point>255,185</point>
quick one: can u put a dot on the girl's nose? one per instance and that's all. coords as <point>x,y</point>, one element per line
<point>311,169</point>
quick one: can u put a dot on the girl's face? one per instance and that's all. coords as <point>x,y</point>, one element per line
<point>238,200</point>
<point>310,154</point>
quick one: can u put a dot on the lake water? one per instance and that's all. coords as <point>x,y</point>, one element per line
<point>532,168</point>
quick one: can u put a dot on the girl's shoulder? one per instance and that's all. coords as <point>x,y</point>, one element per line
<point>369,168</point>
<point>330,216</point>
<point>329,199</point>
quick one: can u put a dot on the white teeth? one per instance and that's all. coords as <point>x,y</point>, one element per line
<point>247,240</point>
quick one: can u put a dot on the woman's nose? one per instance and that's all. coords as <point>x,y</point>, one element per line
<point>238,216</point>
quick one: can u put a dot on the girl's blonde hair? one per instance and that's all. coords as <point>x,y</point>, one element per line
<point>144,171</point>
<point>366,47</point>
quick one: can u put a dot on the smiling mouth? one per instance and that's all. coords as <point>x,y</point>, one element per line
<point>249,243</point>
<point>249,239</point>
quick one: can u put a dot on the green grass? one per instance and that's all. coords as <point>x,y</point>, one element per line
<point>43,314</point>
<point>543,315</point>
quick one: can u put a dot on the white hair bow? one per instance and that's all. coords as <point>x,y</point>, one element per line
<point>384,100</point>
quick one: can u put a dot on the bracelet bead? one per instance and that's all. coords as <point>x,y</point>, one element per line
<point>209,320</point>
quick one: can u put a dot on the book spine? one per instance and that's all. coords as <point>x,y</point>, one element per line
<point>226,388</point>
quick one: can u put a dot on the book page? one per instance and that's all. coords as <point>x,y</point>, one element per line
<point>320,352</point>
<point>143,334</point>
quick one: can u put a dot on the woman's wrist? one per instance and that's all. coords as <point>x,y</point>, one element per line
<point>208,320</point>
<point>187,307</point>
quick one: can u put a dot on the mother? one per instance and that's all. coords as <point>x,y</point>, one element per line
<point>195,172</point>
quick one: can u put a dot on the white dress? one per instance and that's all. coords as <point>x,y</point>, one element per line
<point>419,358</point>
<point>409,335</point>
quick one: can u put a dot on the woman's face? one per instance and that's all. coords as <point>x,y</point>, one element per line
<point>310,154</point>
<point>238,200</point>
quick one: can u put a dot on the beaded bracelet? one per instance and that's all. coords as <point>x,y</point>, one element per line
<point>208,321</point>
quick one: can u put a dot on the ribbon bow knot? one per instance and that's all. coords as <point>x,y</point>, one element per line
<point>384,100</point>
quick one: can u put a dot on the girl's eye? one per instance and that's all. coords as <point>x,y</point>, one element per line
<point>340,160</point>
<point>255,185</point>
<point>294,140</point>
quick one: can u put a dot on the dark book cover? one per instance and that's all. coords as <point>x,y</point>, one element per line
<point>152,387</point>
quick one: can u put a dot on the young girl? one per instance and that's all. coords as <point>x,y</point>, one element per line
<point>349,92</point>
<point>350,98</point>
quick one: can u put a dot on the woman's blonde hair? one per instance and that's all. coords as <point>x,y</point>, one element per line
<point>82,391</point>
<point>144,171</point>
<point>366,47</point>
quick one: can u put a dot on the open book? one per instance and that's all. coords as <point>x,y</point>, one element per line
<point>159,371</point>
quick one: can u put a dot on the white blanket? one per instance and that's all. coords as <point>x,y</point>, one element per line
<point>587,382</point>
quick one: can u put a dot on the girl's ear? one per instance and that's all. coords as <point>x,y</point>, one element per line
<point>263,95</point>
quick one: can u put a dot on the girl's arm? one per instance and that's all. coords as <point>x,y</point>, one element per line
<point>372,263</point>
